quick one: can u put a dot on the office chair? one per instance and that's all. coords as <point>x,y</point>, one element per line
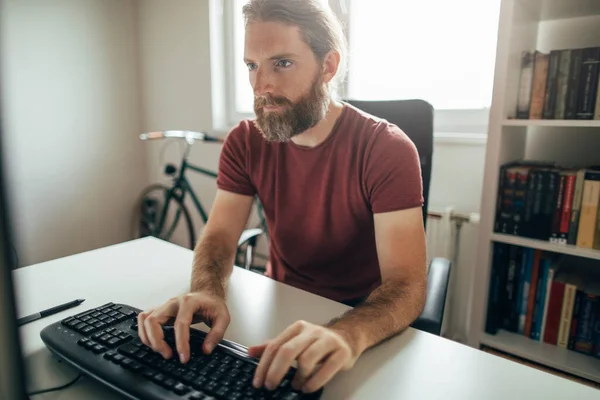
<point>415,118</point>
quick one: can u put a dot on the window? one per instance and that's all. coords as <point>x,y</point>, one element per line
<point>243,91</point>
<point>437,50</point>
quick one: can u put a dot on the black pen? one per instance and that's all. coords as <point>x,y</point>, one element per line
<point>50,311</point>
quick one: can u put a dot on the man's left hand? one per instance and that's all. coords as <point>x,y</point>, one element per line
<point>321,353</point>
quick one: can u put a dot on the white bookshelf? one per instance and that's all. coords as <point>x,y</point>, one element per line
<point>545,354</point>
<point>544,25</point>
<point>546,246</point>
<point>558,123</point>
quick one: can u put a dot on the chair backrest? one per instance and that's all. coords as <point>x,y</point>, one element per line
<point>415,118</point>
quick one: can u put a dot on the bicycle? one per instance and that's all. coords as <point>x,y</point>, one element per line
<point>160,208</point>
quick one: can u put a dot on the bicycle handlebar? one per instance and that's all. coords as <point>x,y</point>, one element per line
<point>189,136</point>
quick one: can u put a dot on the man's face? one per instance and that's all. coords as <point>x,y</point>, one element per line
<point>287,79</point>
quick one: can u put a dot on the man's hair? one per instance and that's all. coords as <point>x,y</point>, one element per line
<point>318,25</point>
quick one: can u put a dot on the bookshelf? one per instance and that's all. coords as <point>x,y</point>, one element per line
<point>547,246</point>
<point>551,356</point>
<point>558,123</point>
<point>526,25</point>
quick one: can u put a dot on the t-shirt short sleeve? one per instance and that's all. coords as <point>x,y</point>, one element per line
<point>393,172</point>
<point>233,173</point>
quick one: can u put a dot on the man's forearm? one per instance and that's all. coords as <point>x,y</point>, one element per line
<point>213,263</point>
<point>388,310</point>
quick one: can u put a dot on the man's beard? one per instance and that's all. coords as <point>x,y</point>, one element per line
<point>294,118</point>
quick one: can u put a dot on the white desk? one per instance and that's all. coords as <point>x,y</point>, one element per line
<point>146,272</point>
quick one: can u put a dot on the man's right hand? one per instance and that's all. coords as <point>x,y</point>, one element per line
<point>211,308</point>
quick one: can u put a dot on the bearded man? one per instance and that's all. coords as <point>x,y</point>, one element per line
<point>342,195</point>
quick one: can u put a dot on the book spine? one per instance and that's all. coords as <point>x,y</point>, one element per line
<point>576,209</point>
<point>549,195</point>
<point>557,294</point>
<point>574,320</point>
<point>558,209</point>
<point>562,82</point>
<point>500,198</point>
<point>510,320</point>
<point>588,83</point>
<point>551,85</point>
<point>573,84</point>
<point>540,295</point>
<point>535,272</point>
<point>566,315</point>
<point>528,219</point>
<point>506,186</point>
<point>519,201</point>
<point>596,335</point>
<point>525,84</point>
<point>597,109</point>
<point>496,295</point>
<point>596,244</point>
<point>525,291</point>
<point>584,338</point>
<point>549,280</point>
<point>589,210</point>
<point>566,208</point>
<point>538,92</point>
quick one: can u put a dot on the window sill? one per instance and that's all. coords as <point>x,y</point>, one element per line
<point>460,139</point>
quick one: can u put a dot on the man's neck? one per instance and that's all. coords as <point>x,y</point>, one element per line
<point>318,133</point>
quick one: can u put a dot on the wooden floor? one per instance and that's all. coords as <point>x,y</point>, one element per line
<point>542,368</point>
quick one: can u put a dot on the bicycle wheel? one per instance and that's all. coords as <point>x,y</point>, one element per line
<point>158,213</point>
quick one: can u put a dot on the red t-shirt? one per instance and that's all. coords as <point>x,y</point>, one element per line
<point>319,202</point>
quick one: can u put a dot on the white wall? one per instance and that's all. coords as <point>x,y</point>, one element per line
<point>71,110</point>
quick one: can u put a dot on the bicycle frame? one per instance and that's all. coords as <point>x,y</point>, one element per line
<point>186,185</point>
<point>181,187</point>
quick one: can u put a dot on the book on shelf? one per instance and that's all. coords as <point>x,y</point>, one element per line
<point>559,84</point>
<point>547,297</point>
<point>546,201</point>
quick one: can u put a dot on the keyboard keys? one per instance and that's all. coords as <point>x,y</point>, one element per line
<point>180,388</point>
<point>97,335</point>
<point>128,349</point>
<point>111,332</point>
<point>80,325</point>
<point>169,383</point>
<point>98,348</point>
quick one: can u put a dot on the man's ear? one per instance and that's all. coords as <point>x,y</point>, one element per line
<point>331,63</point>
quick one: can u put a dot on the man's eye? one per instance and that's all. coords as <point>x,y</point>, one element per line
<point>251,66</point>
<point>283,63</point>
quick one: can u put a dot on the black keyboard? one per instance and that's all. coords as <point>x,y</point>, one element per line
<point>103,344</point>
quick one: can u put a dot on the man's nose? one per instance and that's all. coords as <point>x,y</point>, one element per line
<point>263,83</point>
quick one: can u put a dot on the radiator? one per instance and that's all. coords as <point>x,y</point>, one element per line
<point>453,236</point>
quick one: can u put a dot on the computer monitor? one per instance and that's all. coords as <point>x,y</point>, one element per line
<point>12,375</point>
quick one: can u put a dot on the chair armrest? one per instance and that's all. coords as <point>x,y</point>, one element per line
<point>249,234</point>
<point>431,318</point>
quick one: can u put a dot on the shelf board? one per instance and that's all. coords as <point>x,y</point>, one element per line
<point>562,9</point>
<point>559,123</point>
<point>547,246</point>
<point>569,361</point>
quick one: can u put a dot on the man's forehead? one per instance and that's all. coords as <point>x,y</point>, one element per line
<point>268,39</point>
